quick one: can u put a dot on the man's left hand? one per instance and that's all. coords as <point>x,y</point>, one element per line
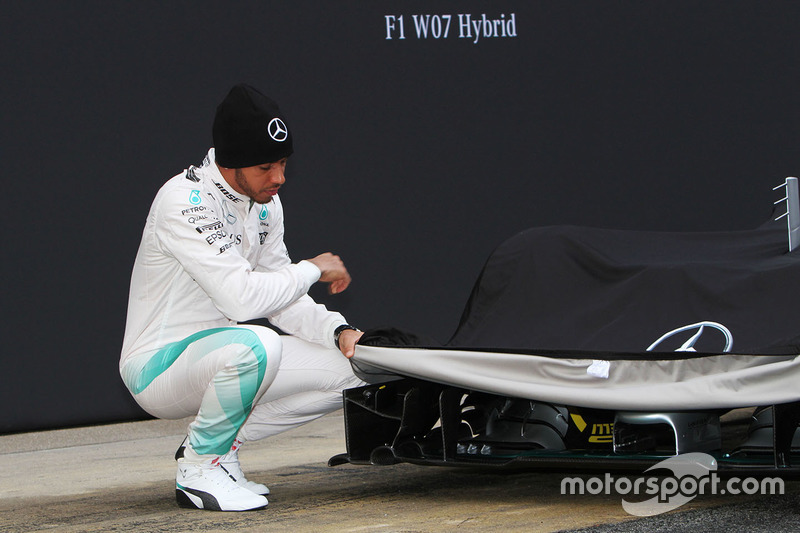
<point>347,341</point>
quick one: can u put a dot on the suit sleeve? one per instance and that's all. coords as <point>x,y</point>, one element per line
<point>303,318</point>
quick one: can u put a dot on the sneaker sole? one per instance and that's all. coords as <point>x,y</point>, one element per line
<point>197,499</point>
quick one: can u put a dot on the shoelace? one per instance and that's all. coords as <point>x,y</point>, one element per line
<point>219,476</point>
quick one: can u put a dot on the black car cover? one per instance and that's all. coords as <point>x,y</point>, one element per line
<point>578,288</point>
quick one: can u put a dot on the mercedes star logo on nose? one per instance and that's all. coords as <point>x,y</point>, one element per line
<point>688,346</point>
<point>277,130</point>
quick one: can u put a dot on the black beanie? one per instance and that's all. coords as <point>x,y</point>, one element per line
<point>249,130</point>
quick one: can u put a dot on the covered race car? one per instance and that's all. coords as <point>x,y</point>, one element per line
<point>584,348</point>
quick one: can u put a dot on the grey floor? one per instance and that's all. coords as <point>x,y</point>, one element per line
<point>121,478</point>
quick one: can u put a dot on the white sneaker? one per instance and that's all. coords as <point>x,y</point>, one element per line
<point>206,485</point>
<point>230,463</point>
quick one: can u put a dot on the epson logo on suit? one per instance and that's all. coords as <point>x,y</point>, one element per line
<point>439,26</point>
<point>219,234</point>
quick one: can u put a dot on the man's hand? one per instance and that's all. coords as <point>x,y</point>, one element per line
<point>347,341</point>
<point>333,272</point>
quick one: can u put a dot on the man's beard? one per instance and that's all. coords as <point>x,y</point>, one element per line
<point>238,175</point>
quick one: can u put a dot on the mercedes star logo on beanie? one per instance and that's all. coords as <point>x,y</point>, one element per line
<point>239,125</point>
<point>277,130</point>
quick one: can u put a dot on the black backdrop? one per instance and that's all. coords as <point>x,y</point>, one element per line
<point>413,157</point>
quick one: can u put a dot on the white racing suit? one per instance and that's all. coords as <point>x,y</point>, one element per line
<point>210,258</point>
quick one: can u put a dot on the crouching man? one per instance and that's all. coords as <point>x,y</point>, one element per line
<point>212,255</point>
